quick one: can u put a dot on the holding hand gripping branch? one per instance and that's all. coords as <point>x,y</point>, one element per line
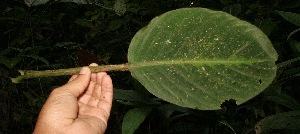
<point>82,105</point>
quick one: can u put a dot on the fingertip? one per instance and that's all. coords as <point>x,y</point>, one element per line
<point>93,64</point>
<point>85,73</point>
<point>78,83</point>
<point>107,77</point>
<point>84,70</point>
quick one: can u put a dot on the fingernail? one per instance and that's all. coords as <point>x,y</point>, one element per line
<point>83,70</point>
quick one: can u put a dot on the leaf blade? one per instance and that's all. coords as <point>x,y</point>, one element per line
<point>286,121</point>
<point>133,119</point>
<point>198,58</point>
<point>290,17</point>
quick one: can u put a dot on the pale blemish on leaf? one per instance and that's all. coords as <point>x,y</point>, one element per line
<point>168,42</point>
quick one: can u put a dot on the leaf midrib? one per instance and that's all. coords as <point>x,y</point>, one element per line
<point>198,62</point>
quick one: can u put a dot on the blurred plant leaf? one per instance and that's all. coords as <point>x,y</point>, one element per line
<point>31,100</point>
<point>120,7</point>
<point>224,122</point>
<point>283,122</point>
<point>295,45</point>
<point>10,62</point>
<point>290,17</point>
<point>67,45</point>
<point>168,109</point>
<point>37,58</point>
<point>89,13</point>
<point>114,24</point>
<point>225,2</point>
<point>266,25</point>
<point>130,95</point>
<point>292,33</point>
<point>141,90</point>
<point>84,23</point>
<point>291,72</point>
<point>288,62</point>
<point>35,2</point>
<point>234,9</point>
<point>133,119</point>
<point>94,17</point>
<point>14,61</point>
<point>39,2</point>
<point>284,100</point>
<point>19,41</point>
<point>292,4</point>
<point>198,58</point>
<point>5,61</point>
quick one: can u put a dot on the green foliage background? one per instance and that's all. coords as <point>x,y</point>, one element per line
<point>63,35</point>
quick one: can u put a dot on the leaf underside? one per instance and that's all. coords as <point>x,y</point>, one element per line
<point>198,58</point>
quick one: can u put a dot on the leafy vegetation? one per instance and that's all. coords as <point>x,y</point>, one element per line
<point>64,35</point>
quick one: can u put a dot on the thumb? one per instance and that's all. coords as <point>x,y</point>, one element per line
<point>80,83</point>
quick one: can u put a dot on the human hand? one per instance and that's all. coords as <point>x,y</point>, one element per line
<point>82,105</point>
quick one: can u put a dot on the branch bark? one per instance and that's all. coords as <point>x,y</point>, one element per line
<point>27,74</point>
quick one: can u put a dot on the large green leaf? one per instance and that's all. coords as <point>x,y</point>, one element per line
<point>197,58</point>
